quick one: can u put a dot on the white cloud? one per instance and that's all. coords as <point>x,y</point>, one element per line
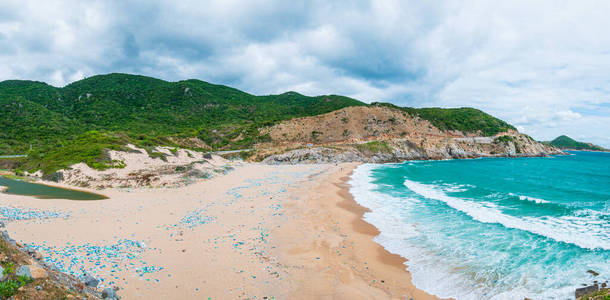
<point>542,66</point>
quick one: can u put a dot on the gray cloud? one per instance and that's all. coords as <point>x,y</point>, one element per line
<point>542,66</point>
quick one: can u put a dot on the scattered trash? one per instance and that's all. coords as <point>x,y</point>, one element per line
<point>17,214</point>
<point>101,261</point>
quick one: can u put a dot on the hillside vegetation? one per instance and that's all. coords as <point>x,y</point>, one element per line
<point>38,114</point>
<point>463,119</point>
<point>565,142</point>
<point>142,110</point>
<point>58,127</point>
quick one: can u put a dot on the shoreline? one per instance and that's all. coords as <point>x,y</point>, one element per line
<point>587,150</point>
<point>369,229</point>
<point>356,267</point>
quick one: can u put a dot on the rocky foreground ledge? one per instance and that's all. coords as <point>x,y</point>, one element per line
<point>24,275</point>
<point>596,291</point>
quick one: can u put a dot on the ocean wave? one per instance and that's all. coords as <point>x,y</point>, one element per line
<point>582,231</point>
<point>363,189</point>
<point>528,198</point>
<point>456,187</point>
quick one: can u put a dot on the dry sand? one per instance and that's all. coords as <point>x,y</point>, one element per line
<point>283,232</point>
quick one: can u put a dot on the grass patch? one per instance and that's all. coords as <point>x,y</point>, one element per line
<point>88,148</point>
<point>10,287</point>
<point>374,147</point>
<point>504,139</point>
<point>315,135</point>
<point>599,295</point>
<point>14,177</point>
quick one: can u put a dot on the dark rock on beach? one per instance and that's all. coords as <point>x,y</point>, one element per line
<point>55,177</point>
<point>24,271</point>
<point>47,282</point>
<point>7,238</point>
<point>109,293</point>
<point>89,280</point>
<point>592,272</point>
<point>33,271</point>
<point>585,290</point>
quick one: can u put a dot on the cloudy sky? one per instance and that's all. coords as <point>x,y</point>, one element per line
<point>541,65</point>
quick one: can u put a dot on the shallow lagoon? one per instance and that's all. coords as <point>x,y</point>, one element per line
<point>18,187</point>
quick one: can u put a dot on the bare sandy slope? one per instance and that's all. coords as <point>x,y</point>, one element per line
<point>177,168</point>
<point>288,232</point>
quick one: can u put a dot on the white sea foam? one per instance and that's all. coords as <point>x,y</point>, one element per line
<point>455,187</point>
<point>582,231</point>
<point>528,198</point>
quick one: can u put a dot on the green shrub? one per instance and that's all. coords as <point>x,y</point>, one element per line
<point>9,269</point>
<point>9,287</point>
<point>315,135</point>
<point>88,148</point>
<point>503,139</point>
<point>374,147</point>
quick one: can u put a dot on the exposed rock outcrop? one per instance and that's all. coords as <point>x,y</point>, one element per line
<point>382,134</point>
<point>586,290</point>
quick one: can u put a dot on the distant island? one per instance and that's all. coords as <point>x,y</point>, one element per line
<point>565,142</point>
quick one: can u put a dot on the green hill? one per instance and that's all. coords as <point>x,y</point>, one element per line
<point>36,113</point>
<point>75,123</point>
<point>565,142</point>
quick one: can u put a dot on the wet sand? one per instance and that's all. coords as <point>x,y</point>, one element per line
<point>287,232</point>
<point>336,250</point>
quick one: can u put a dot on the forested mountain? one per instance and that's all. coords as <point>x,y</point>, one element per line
<point>58,127</point>
<point>143,107</point>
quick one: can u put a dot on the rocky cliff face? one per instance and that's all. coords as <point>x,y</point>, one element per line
<point>382,134</point>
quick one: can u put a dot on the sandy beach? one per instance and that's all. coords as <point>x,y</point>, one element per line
<point>258,232</point>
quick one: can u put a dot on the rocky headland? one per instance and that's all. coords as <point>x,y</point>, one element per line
<point>378,134</point>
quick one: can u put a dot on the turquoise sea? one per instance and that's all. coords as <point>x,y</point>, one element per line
<point>494,228</point>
